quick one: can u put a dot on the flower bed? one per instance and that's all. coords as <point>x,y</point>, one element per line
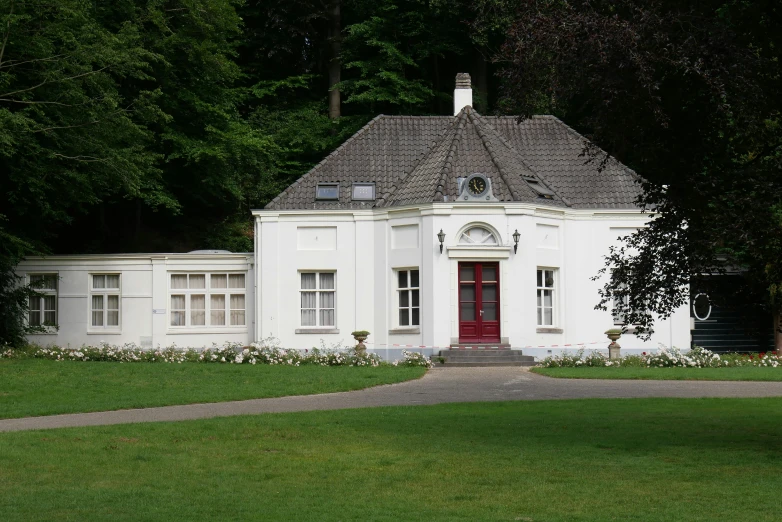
<point>265,352</point>
<point>665,358</point>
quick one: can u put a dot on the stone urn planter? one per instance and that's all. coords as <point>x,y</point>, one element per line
<point>360,336</point>
<point>613,349</point>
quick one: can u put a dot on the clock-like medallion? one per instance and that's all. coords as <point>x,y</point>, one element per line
<point>477,185</point>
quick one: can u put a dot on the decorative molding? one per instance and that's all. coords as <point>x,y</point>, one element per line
<point>317,330</point>
<point>400,331</point>
<point>481,252</point>
<point>549,330</point>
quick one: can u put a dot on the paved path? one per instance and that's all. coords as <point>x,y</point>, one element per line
<point>437,386</point>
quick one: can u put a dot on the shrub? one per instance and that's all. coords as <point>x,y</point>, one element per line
<point>265,352</point>
<point>665,357</point>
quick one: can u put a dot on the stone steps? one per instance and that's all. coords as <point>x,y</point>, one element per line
<point>484,356</point>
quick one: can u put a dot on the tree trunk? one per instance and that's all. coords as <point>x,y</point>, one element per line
<point>480,82</point>
<point>335,64</point>
<point>777,332</point>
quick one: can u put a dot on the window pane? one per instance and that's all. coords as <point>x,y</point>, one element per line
<point>547,316</point>
<point>489,311</point>
<point>307,281</point>
<point>35,304</point>
<point>415,321</point>
<point>467,273</point>
<point>404,317</point>
<point>177,302</point>
<point>327,281</point>
<point>237,317</point>
<point>178,281</point>
<point>404,299</point>
<point>197,281</point>
<point>50,282</point>
<point>112,281</point>
<point>414,278</point>
<point>468,293</point>
<point>97,318</point>
<point>219,281</point>
<point>415,297</point>
<point>99,281</point>
<point>549,279</point>
<point>467,311</point>
<point>540,317</point>
<point>50,318</point>
<point>217,304</point>
<point>112,318</point>
<point>403,279</point>
<point>327,317</point>
<point>237,301</point>
<point>540,277</point>
<point>490,292</point>
<point>97,302</point>
<point>489,273</point>
<point>308,299</point>
<point>308,317</point>
<point>177,318</point>
<point>237,310</point>
<point>327,299</point>
<point>236,281</point>
<point>49,302</point>
<point>548,298</point>
<point>35,318</point>
<point>112,302</point>
<point>198,310</point>
<point>540,297</point>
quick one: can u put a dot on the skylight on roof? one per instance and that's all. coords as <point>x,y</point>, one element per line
<point>327,192</point>
<point>363,192</point>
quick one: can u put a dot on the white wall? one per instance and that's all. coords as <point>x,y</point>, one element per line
<point>144,298</point>
<point>371,244</point>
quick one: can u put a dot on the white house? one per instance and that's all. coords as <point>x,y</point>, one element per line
<point>428,231</point>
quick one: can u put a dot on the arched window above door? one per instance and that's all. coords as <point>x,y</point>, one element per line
<point>478,236</point>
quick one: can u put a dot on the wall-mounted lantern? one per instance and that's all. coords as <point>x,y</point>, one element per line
<point>441,237</point>
<point>516,237</point>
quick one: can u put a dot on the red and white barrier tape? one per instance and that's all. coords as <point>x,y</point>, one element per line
<point>567,345</point>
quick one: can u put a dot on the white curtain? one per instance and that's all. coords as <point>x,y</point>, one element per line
<point>112,281</point>
<point>177,310</point>
<point>197,281</point>
<point>99,281</point>
<point>178,281</point>
<point>217,304</point>
<point>112,310</point>
<point>236,281</point>
<point>97,310</point>
<point>237,309</point>
<point>219,281</point>
<point>197,310</point>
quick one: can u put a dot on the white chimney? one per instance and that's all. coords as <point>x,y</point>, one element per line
<point>462,95</point>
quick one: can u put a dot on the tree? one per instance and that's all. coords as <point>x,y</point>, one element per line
<point>686,93</point>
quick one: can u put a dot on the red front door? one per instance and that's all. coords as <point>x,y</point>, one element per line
<point>479,302</point>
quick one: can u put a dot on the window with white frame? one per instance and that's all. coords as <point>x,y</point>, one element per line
<point>547,287</point>
<point>104,301</point>
<point>208,300</point>
<point>408,297</point>
<point>43,307</point>
<point>318,298</point>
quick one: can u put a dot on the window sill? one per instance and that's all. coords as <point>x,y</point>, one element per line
<point>104,332</point>
<point>237,330</point>
<point>549,330</point>
<point>317,330</point>
<point>399,331</point>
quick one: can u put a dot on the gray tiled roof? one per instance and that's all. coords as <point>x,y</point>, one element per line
<point>416,159</point>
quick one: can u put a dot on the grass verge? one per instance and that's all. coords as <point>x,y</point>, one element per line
<point>746,373</point>
<point>30,387</point>
<point>588,460</point>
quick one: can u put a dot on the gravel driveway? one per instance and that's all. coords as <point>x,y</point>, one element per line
<point>440,385</point>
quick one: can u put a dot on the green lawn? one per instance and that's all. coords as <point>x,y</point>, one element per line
<point>746,373</point>
<point>30,387</point>
<point>589,460</point>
